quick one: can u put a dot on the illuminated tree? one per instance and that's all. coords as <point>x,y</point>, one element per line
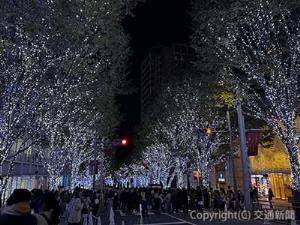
<point>132,175</point>
<point>159,162</point>
<point>176,137</point>
<point>262,53</point>
<point>24,63</point>
<point>58,58</point>
<point>207,147</point>
<point>69,149</point>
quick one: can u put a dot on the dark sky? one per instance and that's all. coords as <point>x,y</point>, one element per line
<point>156,22</point>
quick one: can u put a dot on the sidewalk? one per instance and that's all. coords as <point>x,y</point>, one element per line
<point>277,204</point>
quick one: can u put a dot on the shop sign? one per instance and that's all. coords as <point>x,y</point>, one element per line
<point>221,178</point>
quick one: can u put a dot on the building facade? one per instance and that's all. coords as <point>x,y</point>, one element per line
<point>27,171</point>
<point>160,65</point>
<point>270,169</point>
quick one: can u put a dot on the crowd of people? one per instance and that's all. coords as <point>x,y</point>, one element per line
<point>40,207</point>
<point>31,208</point>
<point>175,200</point>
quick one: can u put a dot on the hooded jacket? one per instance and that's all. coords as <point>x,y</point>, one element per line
<point>11,217</point>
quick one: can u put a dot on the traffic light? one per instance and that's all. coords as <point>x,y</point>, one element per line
<point>209,131</point>
<point>124,142</point>
<point>120,142</point>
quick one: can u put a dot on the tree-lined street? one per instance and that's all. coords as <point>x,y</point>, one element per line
<point>217,127</point>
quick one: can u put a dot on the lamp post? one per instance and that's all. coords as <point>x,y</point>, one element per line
<point>244,154</point>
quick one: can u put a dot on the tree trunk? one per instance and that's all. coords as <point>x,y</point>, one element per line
<point>180,181</point>
<point>295,167</point>
<point>53,182</point>
<point>205,176</point>
<point>171,179</point>
<point>295,174</point>
<point>75,175</point>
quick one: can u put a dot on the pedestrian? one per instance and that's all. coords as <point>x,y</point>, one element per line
<point>37,200</point>
<point>17,211</point>
<point>63,201</point>
<point>96,203</point>
<point>211,198</point>
<point>180,200</point>
<point>86,202</point>
<point>135,201</point>
<point>219,202</point>
<point>115,199</point>
<point>156,200</point>
<point>255,194</point>
<point>123,201</point>
<point>50,211</point>
<point>240,201</point>
<point>74,208</point>
<point>144,202</point>
<point>230,199</point>
<point>185,201</point>
<point>175,201</point>
<point>270,197</point>
<point>169,201</point>
<point>206,198</point>
<point>199,200</point>
<point>162,200</point>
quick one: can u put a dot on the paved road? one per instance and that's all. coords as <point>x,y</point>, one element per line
<point>277,204</point>
<point>179,219</point>
<point>173,219</point>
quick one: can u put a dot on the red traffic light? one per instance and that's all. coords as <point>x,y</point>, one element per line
<point>124,142</point>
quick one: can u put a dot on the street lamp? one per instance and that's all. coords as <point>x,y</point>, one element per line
<point>244,153</point>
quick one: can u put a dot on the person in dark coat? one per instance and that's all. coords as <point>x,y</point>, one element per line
<point>231,199</point>
<point>206,198</point>
<point>185,201</point>
<point>17,211</point>
<point>175,201</point>
<point>50,211</point>
<point>37,200</point>
<point>96,203</point>
<point>219,202</point>
<point>199,200</point>
<point>270,197</point>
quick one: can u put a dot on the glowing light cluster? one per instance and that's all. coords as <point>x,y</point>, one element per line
<point>61,66</point>
<point>262,52</point>
<point>174,147</point>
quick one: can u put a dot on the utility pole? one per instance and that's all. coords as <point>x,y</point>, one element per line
<point>231,153</point>
<point>244,154</point>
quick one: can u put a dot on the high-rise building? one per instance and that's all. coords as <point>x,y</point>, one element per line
<point>160,65</point>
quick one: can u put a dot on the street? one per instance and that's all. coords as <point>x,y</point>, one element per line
<point>144,112</point>
<point>182,219</point>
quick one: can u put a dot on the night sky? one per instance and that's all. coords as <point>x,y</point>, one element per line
<point>156,22</point>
